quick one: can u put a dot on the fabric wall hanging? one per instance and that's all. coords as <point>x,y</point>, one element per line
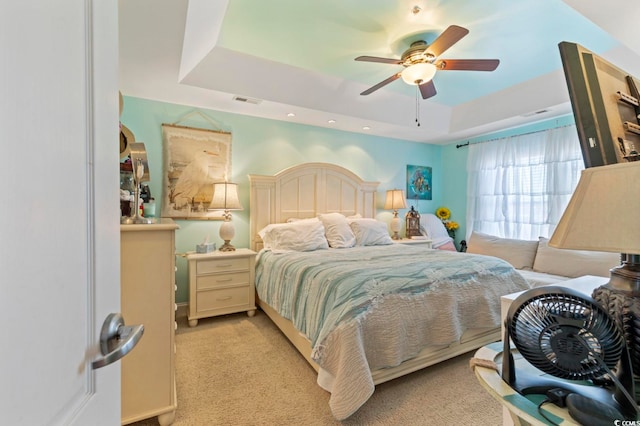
<point>193,160</point>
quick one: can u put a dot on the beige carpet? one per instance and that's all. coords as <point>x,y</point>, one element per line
<point>236,370</point>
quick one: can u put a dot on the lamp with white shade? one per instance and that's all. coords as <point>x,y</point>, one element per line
<point>395,200</point>
<point>419,73</point>
<point>602,215</point>
<point>225,197</point>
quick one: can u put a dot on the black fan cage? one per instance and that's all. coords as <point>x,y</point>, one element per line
<point>566,336</point>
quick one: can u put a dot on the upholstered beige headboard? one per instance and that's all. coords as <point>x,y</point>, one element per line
<point>304,191</point>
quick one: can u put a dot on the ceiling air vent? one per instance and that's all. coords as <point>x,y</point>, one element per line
<point>531,114</point>
<point>246,100</point>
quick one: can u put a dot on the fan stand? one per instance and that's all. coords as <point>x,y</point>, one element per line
<point>526,383</point>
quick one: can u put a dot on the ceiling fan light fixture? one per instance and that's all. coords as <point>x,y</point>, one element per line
<point>419,73</point>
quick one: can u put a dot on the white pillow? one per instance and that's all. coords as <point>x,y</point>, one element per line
<point>297,236</point>
<point>573,263</point>
<point>337,230</point>
<point>435,230</point>
<point>370,232</point>
<point>519,253</point>
<point>297,219</point>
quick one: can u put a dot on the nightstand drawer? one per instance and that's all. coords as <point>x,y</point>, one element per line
<point>222,265</point>
<point>223,298</point>
<point>221,280</point>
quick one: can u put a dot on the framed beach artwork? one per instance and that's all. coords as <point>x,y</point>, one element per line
<point>419,183</point>
<point>193,160</point>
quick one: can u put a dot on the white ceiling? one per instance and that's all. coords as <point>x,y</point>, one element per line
<point>297,56</point>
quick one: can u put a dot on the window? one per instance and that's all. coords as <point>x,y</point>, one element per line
<point>519,186</point>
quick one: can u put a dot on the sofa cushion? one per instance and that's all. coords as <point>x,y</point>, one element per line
<point>573,263</point>
<point>519,253</point>
<point>539,279</point>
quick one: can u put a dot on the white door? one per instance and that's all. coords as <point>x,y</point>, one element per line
<point>59,238</point>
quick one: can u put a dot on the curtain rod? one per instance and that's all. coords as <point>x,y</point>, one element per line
<point>512,136</point>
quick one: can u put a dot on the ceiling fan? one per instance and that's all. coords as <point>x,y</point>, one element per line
<point>421,62</point>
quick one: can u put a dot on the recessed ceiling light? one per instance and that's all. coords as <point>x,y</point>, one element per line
<point>331,121</point>
<point>366,128</point>
<point>291,114</point>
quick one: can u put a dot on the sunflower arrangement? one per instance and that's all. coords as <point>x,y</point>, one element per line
<point>444,214</point>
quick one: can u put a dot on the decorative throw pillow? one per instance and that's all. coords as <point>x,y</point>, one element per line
<point>337,230</point>
<point>519,253</point>
<point>370,232</point>
<point>297,236</point>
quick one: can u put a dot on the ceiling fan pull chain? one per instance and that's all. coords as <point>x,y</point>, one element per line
<point>418,105</point>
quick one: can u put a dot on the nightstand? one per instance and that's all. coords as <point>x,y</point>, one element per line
<point>221,283</point>
<point>413,241</point>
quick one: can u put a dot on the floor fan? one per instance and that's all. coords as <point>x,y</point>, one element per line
<point>569,336</point>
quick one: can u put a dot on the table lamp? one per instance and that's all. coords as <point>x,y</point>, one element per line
<point>225,197</point>
<point>395,200</point>
<point>602,215</point>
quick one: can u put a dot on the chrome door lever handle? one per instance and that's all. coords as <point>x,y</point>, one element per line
<point>116,340</point>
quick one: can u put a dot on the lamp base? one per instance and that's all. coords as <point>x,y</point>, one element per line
<point>227,246</point>
<point>395,226</point>
<point>620,297</point>
<point>227,232</point>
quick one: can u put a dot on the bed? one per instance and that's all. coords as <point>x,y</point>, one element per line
<point>390,309</point>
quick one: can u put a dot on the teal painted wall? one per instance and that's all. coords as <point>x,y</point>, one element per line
<point>261,146</point>
<point>454,172</point>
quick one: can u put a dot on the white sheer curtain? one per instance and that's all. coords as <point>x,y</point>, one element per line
<point>519,186</point>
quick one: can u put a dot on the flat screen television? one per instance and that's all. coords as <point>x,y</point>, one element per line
<point>606,104</point>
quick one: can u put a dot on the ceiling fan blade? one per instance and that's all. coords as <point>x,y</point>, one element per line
<point>468,64</point>
<point>380,60</point>
<point>448,38</point>
<point>428,89</point>
<point>381,84</point>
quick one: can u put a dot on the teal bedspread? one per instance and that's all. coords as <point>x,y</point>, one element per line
<point>413,296</point>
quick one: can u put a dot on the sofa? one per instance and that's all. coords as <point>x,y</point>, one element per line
<point>540,264</point>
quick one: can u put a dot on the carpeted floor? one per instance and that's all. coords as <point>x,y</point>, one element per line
<point>236,370</point>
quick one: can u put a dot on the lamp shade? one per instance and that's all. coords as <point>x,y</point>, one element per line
<point>395,200</point>
<point>419,73</point>
<point>225,197</point>
<point>602,214</point>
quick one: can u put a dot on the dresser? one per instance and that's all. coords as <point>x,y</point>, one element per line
<point>221,282</point>
<point>147,264</point>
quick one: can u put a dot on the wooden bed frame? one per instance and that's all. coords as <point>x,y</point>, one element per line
<point>309,189</point>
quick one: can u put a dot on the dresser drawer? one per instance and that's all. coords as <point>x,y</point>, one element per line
<point>222,265</point>
<point>221,280</point>
<point>222,298</point>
